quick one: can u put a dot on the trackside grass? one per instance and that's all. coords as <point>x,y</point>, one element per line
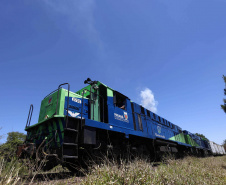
<point>10,172</point>
<point>190,170</point>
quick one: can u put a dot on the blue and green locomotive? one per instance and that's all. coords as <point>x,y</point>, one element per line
<point>97,121</point>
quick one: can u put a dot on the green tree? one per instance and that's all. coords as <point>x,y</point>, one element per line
<point>224,106</point>
<point>202,136</point>
<point>8,149</point>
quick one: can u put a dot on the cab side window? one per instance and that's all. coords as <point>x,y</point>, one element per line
<point>119,100</point>
<point>140,122</point>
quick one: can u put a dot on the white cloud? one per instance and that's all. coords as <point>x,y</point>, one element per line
<point>79,15</point>
<point>148,100</point>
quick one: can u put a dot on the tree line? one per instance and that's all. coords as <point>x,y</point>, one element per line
<point>8,149</point>
<point>224,100</point>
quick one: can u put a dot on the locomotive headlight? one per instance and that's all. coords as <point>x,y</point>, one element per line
<point>84,92</point>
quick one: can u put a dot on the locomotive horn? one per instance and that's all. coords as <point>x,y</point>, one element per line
<point>88,80</point>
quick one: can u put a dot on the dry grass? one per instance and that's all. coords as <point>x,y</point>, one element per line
<point>211,170</point>
<point>191,170</point>
<point>10,172</point>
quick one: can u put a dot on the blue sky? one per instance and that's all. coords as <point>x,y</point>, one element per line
<point>176,49</point>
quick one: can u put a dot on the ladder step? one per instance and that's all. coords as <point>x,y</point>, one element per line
<point>70,157</point>
<point>70,144</point>
<point>70,129</point>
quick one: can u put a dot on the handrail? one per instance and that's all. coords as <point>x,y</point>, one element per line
<point>93,103</point>
<point>50,93</point>
<point>67,100</point>
<point>29,116</point>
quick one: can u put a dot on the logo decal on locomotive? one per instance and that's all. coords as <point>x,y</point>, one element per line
<point>50,100</point>
<point>73,114</point>
<point>159,129</point>
<point>125,115</point>
<point>121,117</point>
